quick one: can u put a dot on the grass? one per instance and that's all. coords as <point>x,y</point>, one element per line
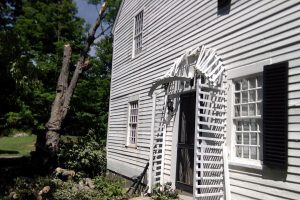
<point>15,146</point>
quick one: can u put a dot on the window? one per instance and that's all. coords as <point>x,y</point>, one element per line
<point>248,117</point>
<point>132,123</point>
<point>138,34</point>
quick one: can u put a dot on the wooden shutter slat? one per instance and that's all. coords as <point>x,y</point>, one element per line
<point>275,82</point>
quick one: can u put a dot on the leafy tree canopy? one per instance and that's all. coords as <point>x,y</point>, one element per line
<point>32,35</point>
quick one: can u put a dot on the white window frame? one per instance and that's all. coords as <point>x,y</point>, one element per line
<point>138,34</point>
<point>233,120</point>
<point>133,113</point>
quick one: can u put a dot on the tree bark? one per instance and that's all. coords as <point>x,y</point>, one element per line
<point>64,92</point>
<point>55,120</point>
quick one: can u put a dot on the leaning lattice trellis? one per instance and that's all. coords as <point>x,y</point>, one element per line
<point>158,139</point>
<point>209,142</point>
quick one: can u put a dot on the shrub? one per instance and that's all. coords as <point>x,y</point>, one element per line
<point>66,191</point>
<point>109,188</point>
<point>28,189</point>
<point>86,155</point>
<point>164,192</point>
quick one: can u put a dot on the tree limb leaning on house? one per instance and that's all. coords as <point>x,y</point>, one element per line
<point>48,146</point>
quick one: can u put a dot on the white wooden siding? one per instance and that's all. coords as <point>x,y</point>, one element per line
<point>252,32</point>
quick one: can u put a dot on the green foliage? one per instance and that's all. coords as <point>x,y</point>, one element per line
<point>164,192</point>
<point>89,106</point>
<point>30,58</point>
<point>9,10</point>
<point>112,9</point>
<point>28,188</point>
<point>87,155</point>
<point>109,188</point>
<point>103,59</point>
<point>66,191</point>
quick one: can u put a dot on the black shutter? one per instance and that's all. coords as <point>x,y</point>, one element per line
<point>275,115</point>
<point>223,3</point>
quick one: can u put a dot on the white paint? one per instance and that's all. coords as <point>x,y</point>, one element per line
<point>150,173</point>
<point>253,32</point>
<point>248,69</point>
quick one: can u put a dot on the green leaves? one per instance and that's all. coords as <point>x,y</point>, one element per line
<point>164,192</point>
<point>30,61</point>
<point>31,58</point>
<point>87,155</point>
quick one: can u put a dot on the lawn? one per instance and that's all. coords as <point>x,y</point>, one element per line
<point>16,146</point>
<point>13,146</point>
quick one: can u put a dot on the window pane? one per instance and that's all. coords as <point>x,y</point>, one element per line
<point>239,126</point>
<point>245,152</point>
<point>259,109</point>
<point>239,138</point>
<point>237,111</point>
<point>237,86</point>
<point>251,109</point>
<point>254,138</point>
<point>253,152</point>
<point>245,97</point>
<point>259,94</point>
<point>138,33</point>
<point>252,82</point>
<point>258,126</point>
<point>244,84</point>
<point>253,125</point>
<point>239,151</point>
<point>244,110</point>
<point>245,125</point>
<point>133,118</point>
<point>259,81</point>
<point>237,98</point>
<point>252,95</point>
<point>246,138</point>
<point>248,103</point>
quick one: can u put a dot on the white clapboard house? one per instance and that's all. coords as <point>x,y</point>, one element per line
<point>208,92</point>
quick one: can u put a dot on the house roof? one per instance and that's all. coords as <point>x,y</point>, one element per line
<point>117,18</point>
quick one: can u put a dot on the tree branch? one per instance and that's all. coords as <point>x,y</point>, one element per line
<point>103,32</point>
<point>82,60</point>
<point>54,122</point>
<point>64,74</point>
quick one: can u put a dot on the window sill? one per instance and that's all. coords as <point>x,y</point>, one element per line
<point>246,164</point>
<point>131,146</point>
<point>247,117</point>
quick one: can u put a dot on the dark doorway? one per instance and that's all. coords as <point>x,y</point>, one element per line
<point>185,147</point>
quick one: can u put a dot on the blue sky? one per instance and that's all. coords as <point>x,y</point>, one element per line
<point>86,11</point>
<point>89,13</point>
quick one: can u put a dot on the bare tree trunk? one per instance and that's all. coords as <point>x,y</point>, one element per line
<point>64,92</point>
<point>55,120</point>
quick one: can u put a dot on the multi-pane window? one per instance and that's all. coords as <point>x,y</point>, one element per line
<point>132,122</point>
<point>247,117</point>
<point>138,33</point>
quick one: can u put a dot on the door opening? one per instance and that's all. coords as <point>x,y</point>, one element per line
<point>185,147</point>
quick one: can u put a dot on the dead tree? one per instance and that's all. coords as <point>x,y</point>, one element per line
<point>65,90</point>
